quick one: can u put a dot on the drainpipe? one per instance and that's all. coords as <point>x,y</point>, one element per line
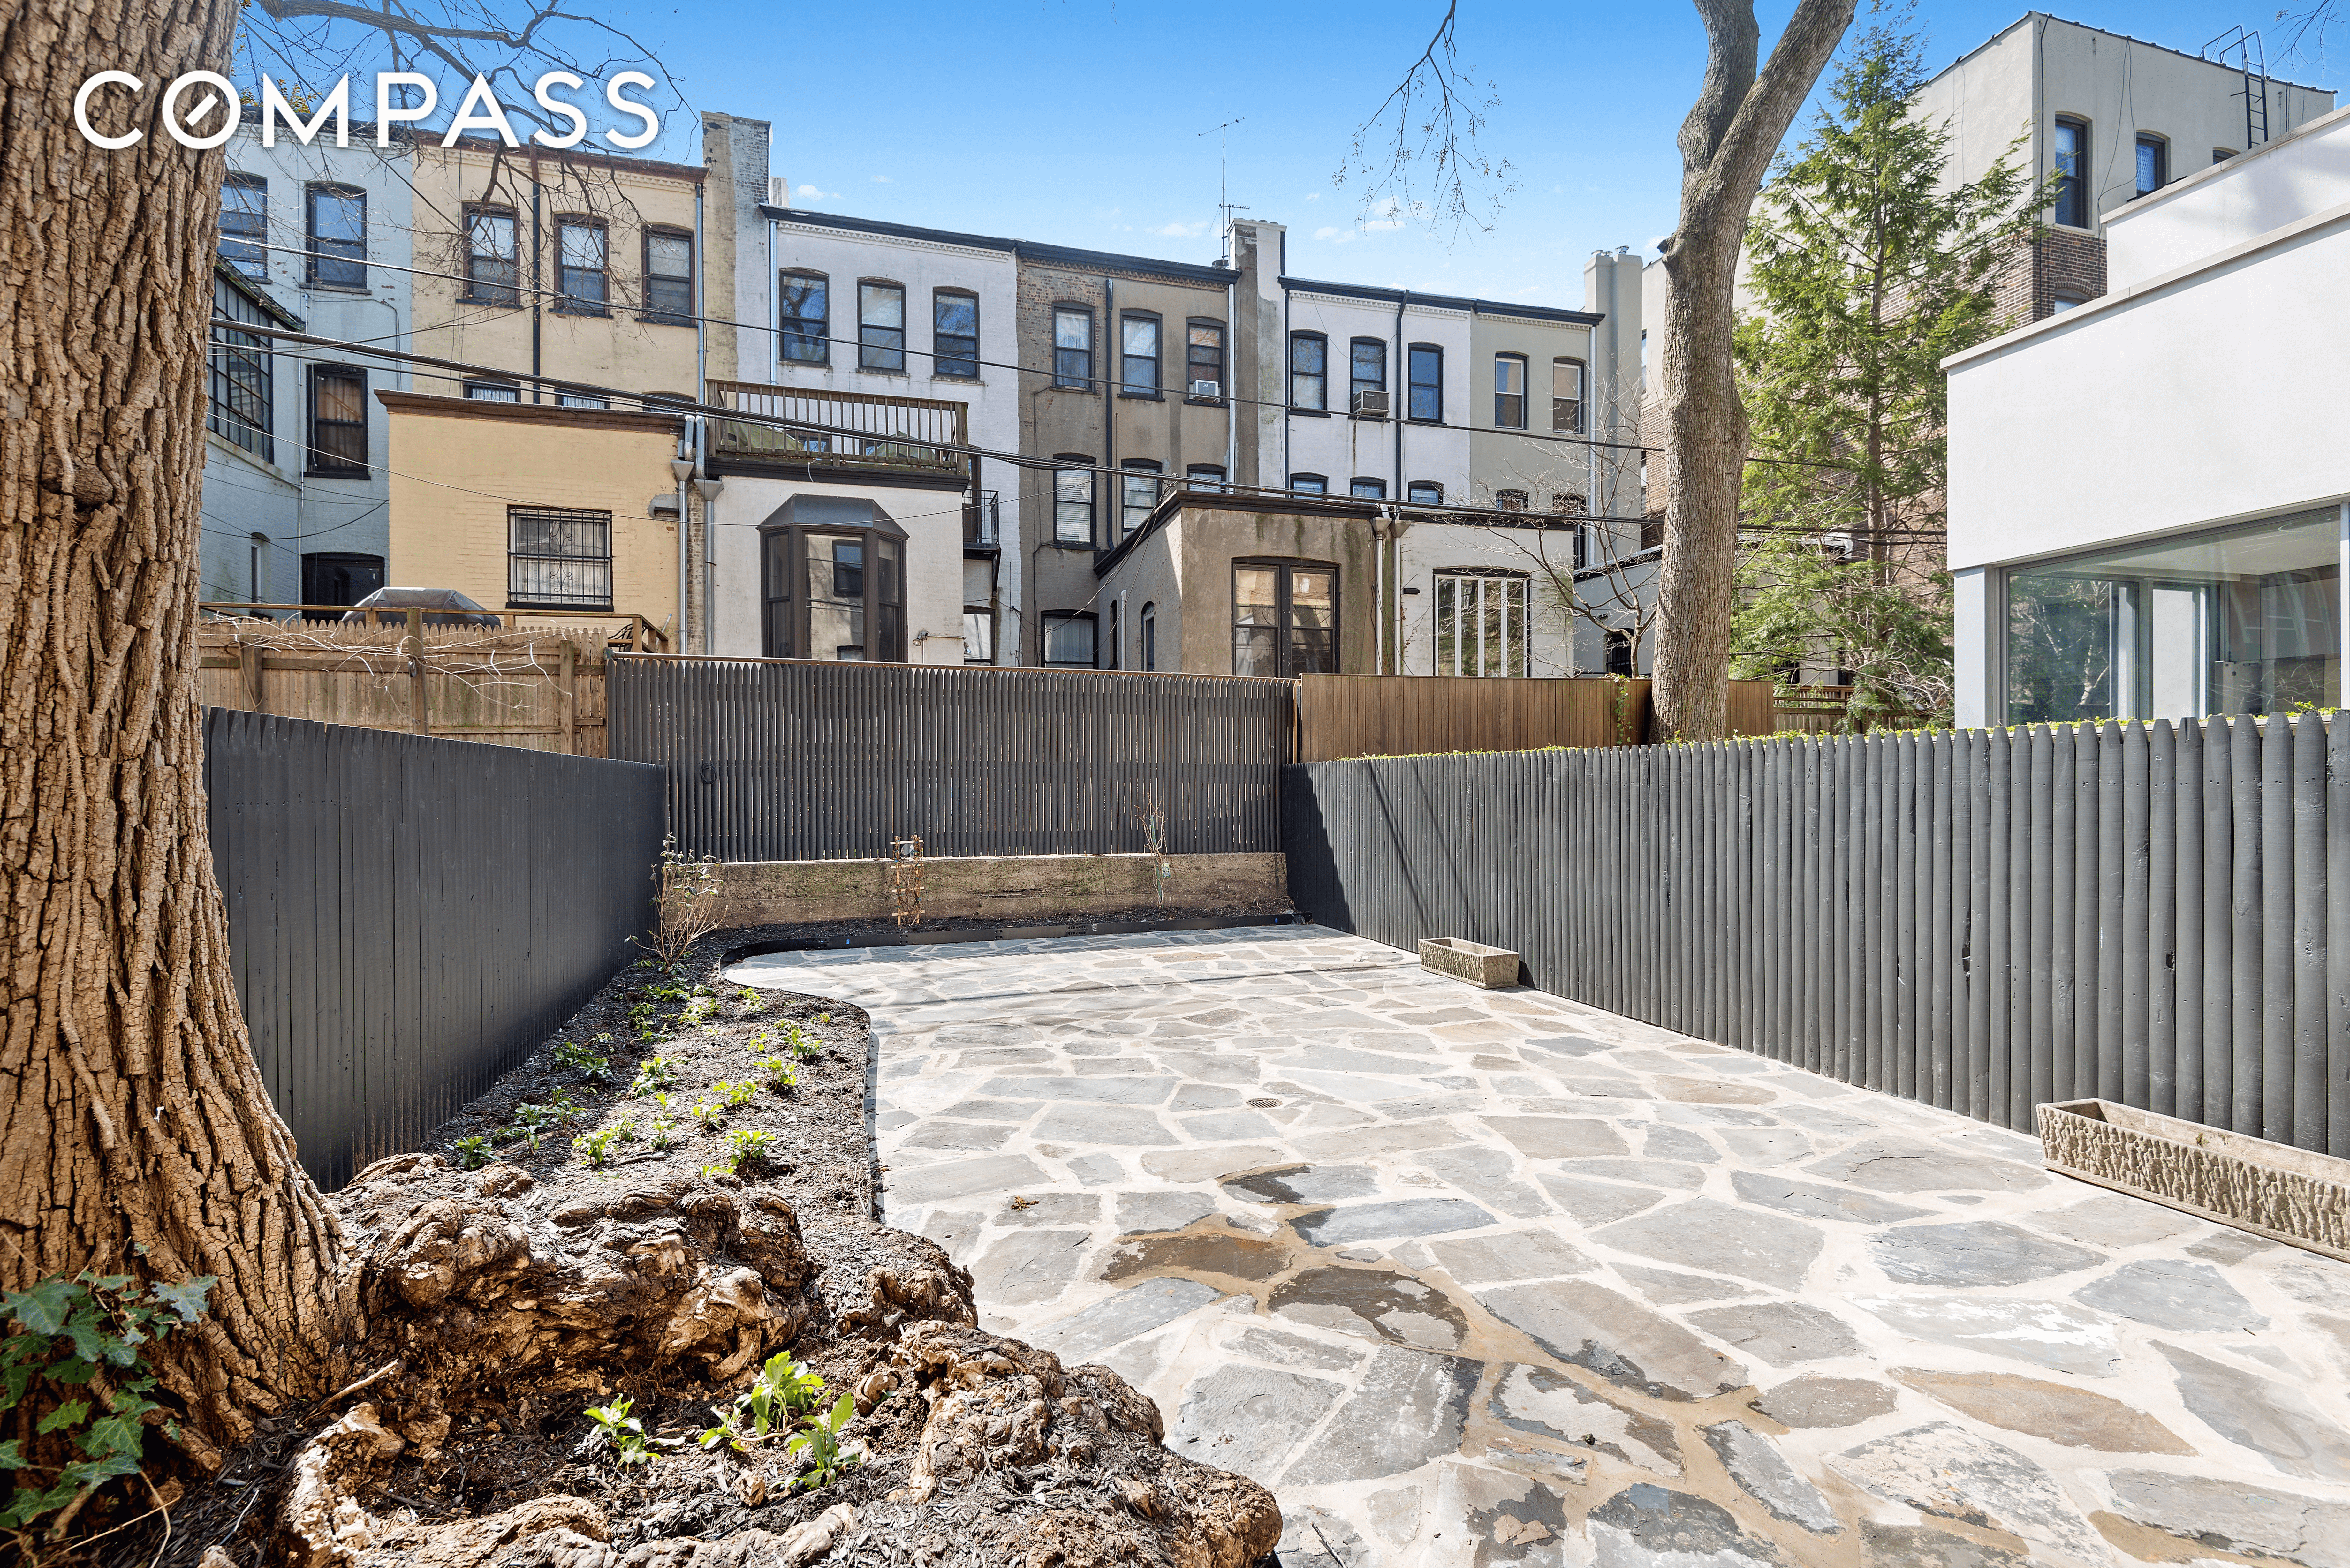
<point>1110,385</point>
<point>1232,365</point>
<point>708,489</point>
<point>682,468</point>
<point>538,282</point>
<point>701,310</point>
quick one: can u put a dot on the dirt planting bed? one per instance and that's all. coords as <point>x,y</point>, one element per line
<point>667,1204</point>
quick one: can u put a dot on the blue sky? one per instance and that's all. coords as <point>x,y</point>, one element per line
<point>1079,122</point>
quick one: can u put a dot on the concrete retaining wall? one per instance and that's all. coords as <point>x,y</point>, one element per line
<point>1009,887</point>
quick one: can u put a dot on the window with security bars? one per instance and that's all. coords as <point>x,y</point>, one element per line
<point>559,559</point>
<point>1480,624</point>
<point>241,383</point>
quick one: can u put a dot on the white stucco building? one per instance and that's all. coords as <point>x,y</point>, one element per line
<point>2146,500</point>
<point>296,499</point>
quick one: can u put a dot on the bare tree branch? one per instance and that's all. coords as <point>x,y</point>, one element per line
<point>1438,111</point>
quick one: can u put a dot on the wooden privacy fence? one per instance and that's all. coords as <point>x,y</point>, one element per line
<point>796,759</point>
<point>2157,915</point>
<point>540,690</point>
<point>1411,715</point>
<point>409,917</point>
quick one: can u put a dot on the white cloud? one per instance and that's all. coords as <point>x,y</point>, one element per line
<point>819,195</point>
<point>1336,236</point>
<point>1182,230</point>
<point>1314,196</point>
<point>1381,226</point>
<point>881,179</point>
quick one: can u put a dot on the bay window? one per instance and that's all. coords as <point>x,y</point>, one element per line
<point>833,580</point>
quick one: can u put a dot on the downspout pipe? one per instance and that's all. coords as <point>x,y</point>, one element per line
<point>538,284</point>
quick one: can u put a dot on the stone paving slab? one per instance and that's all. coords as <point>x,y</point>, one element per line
<point>1489,1277</point>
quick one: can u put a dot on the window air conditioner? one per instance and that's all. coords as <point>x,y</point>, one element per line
<point>1207,388</point>
<point>1370,405</point>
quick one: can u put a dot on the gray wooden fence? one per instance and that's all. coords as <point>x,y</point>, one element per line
<point>2156,914</point>
<point>408,917</point>
<point>783,760</point>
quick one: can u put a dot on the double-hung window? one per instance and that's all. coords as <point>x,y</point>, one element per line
<point>1285,619</point>
<point>558,558</point>
<point>1367,371</point>
<point>669,276</point>
<point>978,610</point>
<point>1204,364</point>
<point>806,319</point>
<point>490,265</point>
<point>880,326</point>
<point>1073,501</point>
<point>1427,382</point>
<point>1073,346</point>
<point>1566,396</point>
<point>955,334</point>
<point>2153,165</point>
<point>245,223</point>
<point>1138,355</point>
<point>583,265</point>
<point>339,431</point>
<point>1510,391</point>
<point>1137,494</point>
<point>2072,172</point>
<point>1069,638</point>
<point>335,228</point>
<point>1309,371</point>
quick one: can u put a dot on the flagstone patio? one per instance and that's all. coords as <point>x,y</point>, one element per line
<point>1475,1277</point>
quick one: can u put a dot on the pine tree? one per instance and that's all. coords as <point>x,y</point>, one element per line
<point>1867,270</point>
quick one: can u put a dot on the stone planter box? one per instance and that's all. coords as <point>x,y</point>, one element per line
<point>1491,968</point>
<point>2272,1189</point>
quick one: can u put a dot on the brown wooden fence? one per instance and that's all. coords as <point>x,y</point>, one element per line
<point>541,690</point>
<point>1341,716</point>
<point>1821,711</point>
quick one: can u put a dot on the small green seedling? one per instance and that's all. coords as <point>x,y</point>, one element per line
<point>661,1133</point>
<point>806,1046</point>
<point>820,1446</point>
<point>596,1147</point>
<point>785,1391</point>
<point>562,1108</point>
<point>624,1434</point>
<point>752,1001</point>
<point>653,1074</point>
<point>473,1153</point>
<point>579,1059</point>
<point>744,1146</point>
<point>709,1113</point>
<point>735,1095</point>
<point>778,1071</point>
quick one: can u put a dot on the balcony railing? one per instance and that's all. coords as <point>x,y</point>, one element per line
<point>979,519</point>
<point>860,431</point>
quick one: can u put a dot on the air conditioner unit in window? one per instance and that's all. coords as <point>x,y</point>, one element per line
<point>1207,388</point>
<point>1370,405</point>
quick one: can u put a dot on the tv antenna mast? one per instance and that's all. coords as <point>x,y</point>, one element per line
<point>1224,207</point>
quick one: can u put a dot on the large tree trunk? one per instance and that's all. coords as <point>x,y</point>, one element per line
<point>1727,144</point>
<point>135,1136</point>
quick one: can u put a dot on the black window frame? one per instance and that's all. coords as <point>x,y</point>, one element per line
<point>954,355</point>
<point>1286,664</point>
<point>664,303</point>
<point>1146,637</point>
<point>1193,359</point>
<point>1319,376</point>
<point>241,376</point>
<point>492,291</point>
<point>240,245</point>
<point>1073,367</point>
<point>1052,619</point>
<point>2072,204</point>
<point>1128,470</point>
<point>527,587</point>
<point>338,464</point>
<point>323,260</point>
<point>873,346</point>
<point>1512,501</point>
<point>1413,496</point>
<point>1206,476</point>
<point>1363,487</point>
<point>1357,384</point>
<point>1576,404</point>
<point>1307,484</point>
<point>784,620</point>
<point>568,300</point>
<point>794,344</point>
<point>1501,399</point>
<point>481,391</point>
<point>1078,463</point>
<point>2159,145</point>
<point>1413,384</point>
<point>1150,364</point>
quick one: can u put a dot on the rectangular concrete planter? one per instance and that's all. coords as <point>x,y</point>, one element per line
<point>2287,1194</point>
<point>1491,968</point>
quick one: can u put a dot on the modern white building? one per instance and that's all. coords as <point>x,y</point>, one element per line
<point>2147,492</point>
<point>316,239</point>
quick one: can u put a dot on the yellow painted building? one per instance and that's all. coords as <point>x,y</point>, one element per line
<point>563,511</point>
<point>569,264</point>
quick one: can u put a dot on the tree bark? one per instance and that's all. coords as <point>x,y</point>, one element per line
<point>136,1135</point>
<point>1727,144</point>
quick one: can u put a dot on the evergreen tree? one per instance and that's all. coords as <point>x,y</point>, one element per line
<point>1865,270</point>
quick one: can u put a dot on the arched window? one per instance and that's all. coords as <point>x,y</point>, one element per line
<point>833,581</point>
<point>1424,492</point>
<point>1310,483</point>
<point>1149,631</point>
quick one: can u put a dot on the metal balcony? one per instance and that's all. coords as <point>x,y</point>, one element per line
<point>978,520</point>
<point>858,430</point>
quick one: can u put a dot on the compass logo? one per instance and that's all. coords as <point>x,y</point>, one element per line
<point>203,109</point>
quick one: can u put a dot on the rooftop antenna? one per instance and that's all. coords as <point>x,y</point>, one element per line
<point>1224,206</point>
